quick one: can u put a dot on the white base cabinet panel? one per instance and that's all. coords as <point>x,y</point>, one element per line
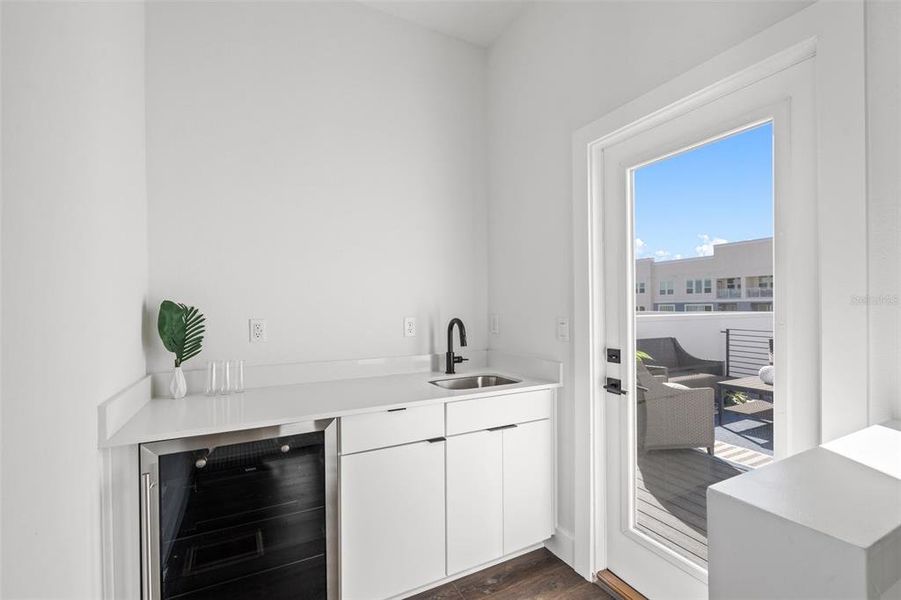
<point>414,513</point>
<point>392,520</point>
<point>475,499</point>
<point>500,492</point>
<point>528,484</point>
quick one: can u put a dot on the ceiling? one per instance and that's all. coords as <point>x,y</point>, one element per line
<point>479,22</point>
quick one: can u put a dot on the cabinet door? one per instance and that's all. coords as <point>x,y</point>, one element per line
<point>528,484</point>
<point>475,500</point>
<point>392,520</point>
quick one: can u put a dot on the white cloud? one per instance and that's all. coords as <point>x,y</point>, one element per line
<point>640,247</point>
<point>661,254</point>
<point>677,256</point>
<point>707,244</point>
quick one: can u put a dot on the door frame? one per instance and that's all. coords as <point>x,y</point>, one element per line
<point>832,34</point>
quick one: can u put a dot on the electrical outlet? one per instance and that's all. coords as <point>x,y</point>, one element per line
<point>258,331</point>
<point>409,326</point>
<point>563,329</point>
<point>494,324</point>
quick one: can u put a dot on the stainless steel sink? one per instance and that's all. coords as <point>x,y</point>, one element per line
<point>473,381</point>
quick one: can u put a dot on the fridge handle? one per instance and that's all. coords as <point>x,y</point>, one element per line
<point>146,533</point>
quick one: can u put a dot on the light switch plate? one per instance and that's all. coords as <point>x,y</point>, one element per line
<point>563,329</point>
<point>494,324</point>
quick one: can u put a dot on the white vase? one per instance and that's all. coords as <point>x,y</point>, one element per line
<point>178,387</point>
<point>766,374</point>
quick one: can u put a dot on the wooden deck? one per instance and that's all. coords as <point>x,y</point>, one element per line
<point>671,493</point>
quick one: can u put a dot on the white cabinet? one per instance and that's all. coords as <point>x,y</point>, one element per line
<point>391,428</point>
<point>496,411</point>
<point>475,499</point>
<point>416,511</point>
<point>392,520</point>
<point>500,492</point>
<point>528,451</point>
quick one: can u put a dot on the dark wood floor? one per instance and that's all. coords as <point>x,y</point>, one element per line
<point>538,575</point>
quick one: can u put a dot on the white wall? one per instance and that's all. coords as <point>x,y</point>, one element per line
<point>319,165</point>
<point>74,270</point>
<point>883,20</point>
<point>700,333</point>
<point>561,66</point>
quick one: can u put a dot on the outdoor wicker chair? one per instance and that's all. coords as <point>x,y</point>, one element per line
<point>668,352</point>
<point>672,415</point>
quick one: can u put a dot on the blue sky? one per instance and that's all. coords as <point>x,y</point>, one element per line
<point>718,192</point>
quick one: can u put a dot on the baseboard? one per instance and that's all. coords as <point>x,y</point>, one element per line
<point>563,546</point>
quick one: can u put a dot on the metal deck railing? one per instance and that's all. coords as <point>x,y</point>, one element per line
<point>747,350</point>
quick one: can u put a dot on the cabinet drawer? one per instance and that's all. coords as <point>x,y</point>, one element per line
<point>390,428</point>
<point>482,413</point>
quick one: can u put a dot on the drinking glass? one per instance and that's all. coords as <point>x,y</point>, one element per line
<point>212,378</point>
<point>236,369</point>
<point>224,377</point>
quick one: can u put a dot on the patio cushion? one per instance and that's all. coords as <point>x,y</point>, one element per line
<point>676,386</point>
<point>697,380</point>
<point>694,368</point>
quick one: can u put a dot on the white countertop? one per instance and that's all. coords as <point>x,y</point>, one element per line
<point>163,418</point>
<point>849,489</point>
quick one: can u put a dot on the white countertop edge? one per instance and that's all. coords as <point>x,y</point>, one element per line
<point>803,489</point>
<point>163,419</point>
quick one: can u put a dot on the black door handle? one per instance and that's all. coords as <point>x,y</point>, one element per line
<point>615,386</point>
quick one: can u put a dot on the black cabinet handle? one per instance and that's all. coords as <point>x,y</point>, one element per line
<point>500,428</point>
<point>396,409</point>
<point>436,440</point>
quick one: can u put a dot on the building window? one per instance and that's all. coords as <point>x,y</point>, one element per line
<point>698,308</point>
<point>666,307</point>
<point>762,307</point>
<point>727,306</point>
<point>698,286</point>
<point>639,308</point>
<point>666,288</point>
<point>639,287</point>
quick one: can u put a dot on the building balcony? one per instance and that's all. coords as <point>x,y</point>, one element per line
<point>758,292</point>
<point>727,293</point>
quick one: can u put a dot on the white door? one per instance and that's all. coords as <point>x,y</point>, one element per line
<point>475,499</point>
<point>785,100</point>
<point>392,520</point>
<point>528,484</point>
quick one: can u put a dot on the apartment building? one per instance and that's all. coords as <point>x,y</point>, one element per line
<point>738,276</point>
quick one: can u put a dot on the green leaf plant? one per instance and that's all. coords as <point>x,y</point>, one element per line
<point>181,330</point>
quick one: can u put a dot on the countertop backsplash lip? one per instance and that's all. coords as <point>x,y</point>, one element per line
<point>291,373</point>
<point>284,393</point>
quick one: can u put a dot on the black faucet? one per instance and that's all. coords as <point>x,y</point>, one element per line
<point>451,360</point>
